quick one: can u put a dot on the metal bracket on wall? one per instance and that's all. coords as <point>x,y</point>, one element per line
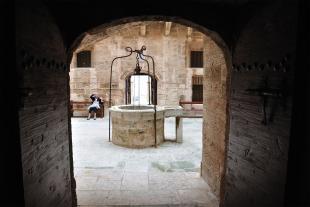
<point>266,92</point>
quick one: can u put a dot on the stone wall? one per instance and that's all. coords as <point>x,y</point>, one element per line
<point>215,114</point>
<point>171,52</point>
<point>43,110</point>
<point>257,156</point>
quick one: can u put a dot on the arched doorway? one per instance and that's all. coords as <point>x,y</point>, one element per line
<point>216,76</point>
<point>140,89</point>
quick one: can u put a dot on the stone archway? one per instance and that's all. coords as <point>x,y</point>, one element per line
<point>217,66</point>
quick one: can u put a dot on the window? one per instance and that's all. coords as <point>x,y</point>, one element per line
<point>196,59</point>
<point>83,59</point>
<point>197,86</point>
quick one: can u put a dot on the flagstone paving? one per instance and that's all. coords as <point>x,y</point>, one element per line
<point>109,175</point>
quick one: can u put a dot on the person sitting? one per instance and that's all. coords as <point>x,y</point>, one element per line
<point>93,97</point>
<point>100,101</point>
<point>93,108</point>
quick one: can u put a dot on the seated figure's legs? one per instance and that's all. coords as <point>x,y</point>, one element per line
<point>92,110</point>
<point>89,113</point>
<point>95,111</point>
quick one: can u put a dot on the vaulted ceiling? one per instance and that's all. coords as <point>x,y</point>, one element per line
<point>226,17</point>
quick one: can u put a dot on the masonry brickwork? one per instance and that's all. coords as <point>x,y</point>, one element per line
<point>43,110</point>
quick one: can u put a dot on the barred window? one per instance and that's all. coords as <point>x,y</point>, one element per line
<point>197,88</point>
<point>83,59</point>
<point>196,59</point>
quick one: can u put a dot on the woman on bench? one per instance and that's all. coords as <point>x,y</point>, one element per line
<point>94,106</point>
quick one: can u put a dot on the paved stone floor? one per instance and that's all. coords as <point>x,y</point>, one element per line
<point>168,175</point>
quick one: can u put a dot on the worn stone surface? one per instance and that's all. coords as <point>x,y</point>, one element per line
<point>257,155</point>
<point>215,114</point>
<point>135,128</point>
<point>108,174</point>
<point>43,109</point>
<point>173,111</point>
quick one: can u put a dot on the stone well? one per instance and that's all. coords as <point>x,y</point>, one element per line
<point>133,126</point>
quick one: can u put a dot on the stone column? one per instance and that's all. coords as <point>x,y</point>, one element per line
<point>179,129</point>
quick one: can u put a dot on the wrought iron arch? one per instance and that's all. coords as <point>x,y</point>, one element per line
<point>137,70</point>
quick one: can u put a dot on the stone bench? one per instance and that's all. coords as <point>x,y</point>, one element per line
<point>177,112</point>
<point>79,109</point>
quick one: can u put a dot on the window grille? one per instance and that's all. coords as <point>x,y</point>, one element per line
<point>196,59</point>
<point>197,88</point>
<point>83,59</point>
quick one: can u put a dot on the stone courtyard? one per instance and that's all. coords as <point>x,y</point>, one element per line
<point>168,175</point>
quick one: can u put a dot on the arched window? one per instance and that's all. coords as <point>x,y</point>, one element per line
<point>139,91</point>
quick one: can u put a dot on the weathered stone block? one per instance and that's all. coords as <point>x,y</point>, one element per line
<point>134,128</point>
